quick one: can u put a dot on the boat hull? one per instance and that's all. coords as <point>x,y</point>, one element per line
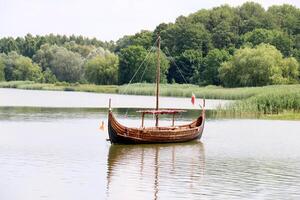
<point>121,134</point>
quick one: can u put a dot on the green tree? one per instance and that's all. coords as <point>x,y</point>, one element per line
<point>7,45</point>
<point>2,66</point>
<point>83,50</point>
<point>131,59</point>
<point>212,63</point>
<point>18,67</point>
<point>151,66</point>
<point>29,46</point>
<point>277,38</point>
<point>65,65</point>
<point>102,69</point>
<point>186,68</point>
<point>286,17</point>
<point>26,70</point>
<point>49,77</point>
<point>262,65</point>
<point>184,35</point>
<point>253,16</point>
<point>143,38</point>
<point>290,70</point>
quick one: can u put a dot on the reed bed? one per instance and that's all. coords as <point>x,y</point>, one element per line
<point>208,92</point>
<point>269,102</point>
<point>60,86</point>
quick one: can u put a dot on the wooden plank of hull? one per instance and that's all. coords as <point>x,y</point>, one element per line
<point>124,135</point>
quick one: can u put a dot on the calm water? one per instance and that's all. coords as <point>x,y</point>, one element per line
<point>35,98</point>
<point>60,154</point>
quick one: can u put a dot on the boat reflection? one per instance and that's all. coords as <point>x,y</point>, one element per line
<point>154,171</point>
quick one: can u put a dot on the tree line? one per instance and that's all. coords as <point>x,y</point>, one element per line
<point>229,46</point>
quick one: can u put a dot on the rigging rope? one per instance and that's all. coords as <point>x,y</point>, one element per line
<point>177,67</point>
<point>148,53</point>
<point>146,67</point>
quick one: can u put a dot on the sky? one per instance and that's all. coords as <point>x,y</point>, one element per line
<point>104,19</point>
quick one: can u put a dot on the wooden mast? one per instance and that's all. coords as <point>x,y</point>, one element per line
<point>157,78</point>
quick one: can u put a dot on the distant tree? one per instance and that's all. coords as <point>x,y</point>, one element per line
<point>290,70</point>
<point>184,35</point>
<point>29,46</point>
<point>26,70</point>
<point>151,65</point>
<point>98,52</point>
<point>18,67</point>
<point>102,69</point>
<point>143,38</point>
<point>211,65</point>
<point>130,60</point>
<point>49,77</point>
<point>277,38</point>
<point>253,16</point>
<point>262,65</point>
<point>132,57</point>
<point>286,17</point>
<point>83,50</point>
<point>224,37</point>
<point>186,67</point>
<point>65,65</point>
<point>2,66</point>
<point>7,45</point>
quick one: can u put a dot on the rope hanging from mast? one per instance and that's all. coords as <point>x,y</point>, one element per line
<point>157,78</point>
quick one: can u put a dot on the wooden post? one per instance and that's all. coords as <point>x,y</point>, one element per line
<point>143,114</point>
<point>109,104</point>
<point>157,78</point>
<point>173,119</point>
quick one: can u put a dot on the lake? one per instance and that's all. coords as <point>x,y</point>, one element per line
<point>61,154</point>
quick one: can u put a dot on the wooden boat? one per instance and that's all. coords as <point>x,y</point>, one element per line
<point>121,134</point>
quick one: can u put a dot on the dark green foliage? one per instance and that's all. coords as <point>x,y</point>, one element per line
<point>211,65</point>
<point>29,45</point>
<point>279,39</point>
<point>65,65</point>
<point>49,77</point>
<point>2,66</point>
<point>143,38</point>
<point>102,69</point>
<point>183,36</point>
<point>286,17</point>
<point>262,65</point>
<point>252,16</point>
<point>17,67</point>
<point>131,59</point>
<point>186,67</point>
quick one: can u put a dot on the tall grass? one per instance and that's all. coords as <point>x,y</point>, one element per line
<point>269,102</point>
<point>208,92</point>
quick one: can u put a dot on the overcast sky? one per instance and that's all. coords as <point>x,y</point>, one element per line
<point>103,19</point>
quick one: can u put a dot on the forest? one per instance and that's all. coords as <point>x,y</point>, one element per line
<point>227,46</point>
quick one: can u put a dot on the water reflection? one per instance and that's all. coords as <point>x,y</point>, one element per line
<point>157,171</point>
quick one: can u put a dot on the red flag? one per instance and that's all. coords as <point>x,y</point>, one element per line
<point>193,99</point>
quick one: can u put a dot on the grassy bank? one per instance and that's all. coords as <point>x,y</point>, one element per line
<point>30,85</point>
<point>208,92</point>
<point>274,104</point>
